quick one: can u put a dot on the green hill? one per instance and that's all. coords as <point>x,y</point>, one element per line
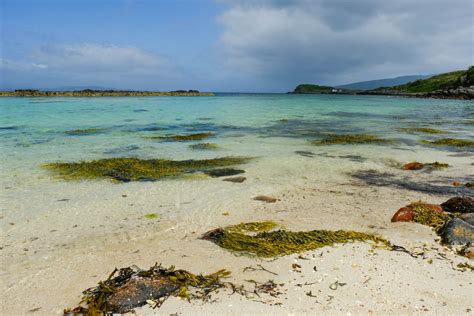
<point>312,88</point>
<point>441,82</point>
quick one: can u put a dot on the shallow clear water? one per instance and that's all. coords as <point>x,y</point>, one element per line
<point>273,126</point>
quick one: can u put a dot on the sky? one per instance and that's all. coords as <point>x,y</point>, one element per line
<point>228,45</point>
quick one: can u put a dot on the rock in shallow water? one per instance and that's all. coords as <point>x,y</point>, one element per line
<point>459,205</point>
<point>216,173</point>
<point>413,166</point>
<point>457,232</point>
<point>235,179</point>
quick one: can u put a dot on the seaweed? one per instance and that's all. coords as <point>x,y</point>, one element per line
<point>267,243</point>
<point>252,227</point>
<point>135,169</point>
<point>437,165</point>
<point>106,298</point>
<point>204,146</point>
<point>183,138</point>
<point>151,215</point>
<point>87,131</point>
<point>426,216</point>
<point>343,139</point>
<point>426,130</point>
<point>454,142</point>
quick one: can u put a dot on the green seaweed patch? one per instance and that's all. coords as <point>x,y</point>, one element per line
<point>183,138</point>
<point>135,169</point>
<point>426,216</point>
<point>437,165</point>
<point>283,242</point>
<point>102,299</point>
<point>454,142</point>
<point>346,139</point>
<point>151,216</point>
<point>426,130</point>
<point>204,146</point>
<point>86,131</point>
<point>252,227</point>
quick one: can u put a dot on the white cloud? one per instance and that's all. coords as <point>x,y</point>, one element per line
<point>90,63</point>
<point>286,42</point>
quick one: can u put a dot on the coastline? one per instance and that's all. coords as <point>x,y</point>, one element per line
<point>102,93</point>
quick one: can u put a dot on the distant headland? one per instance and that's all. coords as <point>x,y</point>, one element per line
<point>450,85</point>
<point>101,93</point>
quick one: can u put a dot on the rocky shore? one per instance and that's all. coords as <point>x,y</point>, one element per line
<point>460,93</point>
<point>101,93</point>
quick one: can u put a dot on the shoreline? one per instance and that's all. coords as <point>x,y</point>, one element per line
<point>101,93</point>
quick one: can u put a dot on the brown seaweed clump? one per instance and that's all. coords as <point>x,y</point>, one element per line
<point>426,215</point>
<point>267,243</point>
<point>347,139</point>
<point>204,146</point>
<point>135,169</point>
<point>183,138</point>
<point>129,288</point>
<point>454,142</point>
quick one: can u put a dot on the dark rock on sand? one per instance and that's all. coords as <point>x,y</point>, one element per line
<point>216,173</point>
<point>265,198</point>
<point>137,291</point>
<point>235,179</point>
<point>457,232</point>
<point>459,205</point>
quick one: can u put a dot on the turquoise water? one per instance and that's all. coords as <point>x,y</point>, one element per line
<point>34,130</point>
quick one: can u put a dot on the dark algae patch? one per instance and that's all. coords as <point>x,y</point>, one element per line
<point>183,138</point>
<point>453,142</point>
<point>135,169</point>
<point>426,130</point>
<point>204,146</point>
<point>87,131</point>
<point>128,288</point>
<point>262,241</point>
<point>347,139</point>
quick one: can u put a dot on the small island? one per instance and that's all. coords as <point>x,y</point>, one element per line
<point>101,93</point>
<point>451,85</point>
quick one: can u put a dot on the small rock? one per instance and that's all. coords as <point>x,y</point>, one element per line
<point>456,184</point>
<point>459,205</point>
<point>235,179</point>
<point>265,198</point>
<point>405,214</point>
<point>413,166</point>
<point>216,173</point>
<point>457,232</point>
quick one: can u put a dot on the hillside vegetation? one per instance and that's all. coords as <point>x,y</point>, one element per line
<point>312,88</point>
<point>445,81</point>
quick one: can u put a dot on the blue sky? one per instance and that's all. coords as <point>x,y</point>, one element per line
<point>228,45</point>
